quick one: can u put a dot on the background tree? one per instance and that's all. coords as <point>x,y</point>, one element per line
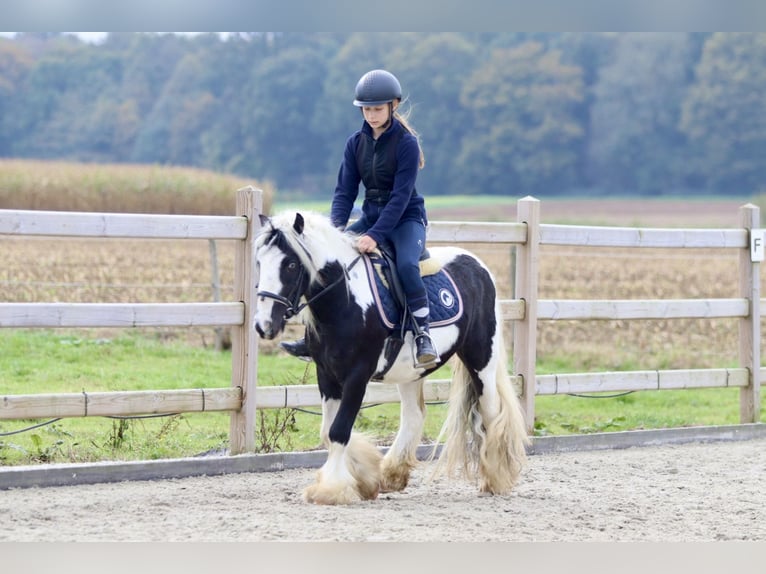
<point>285,91</point>
<point>503,113</point>
<point>525,136</point>
<point>433,101</point>
<point>172,131</point>
<point>724,114</point>
<point>15,64</point>
<point>634,143</point>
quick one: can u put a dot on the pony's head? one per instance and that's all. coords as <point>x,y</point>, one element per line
<point>290,251</point>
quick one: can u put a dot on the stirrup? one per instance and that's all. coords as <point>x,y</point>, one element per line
<point>425,351</point>
<point>297,348</point>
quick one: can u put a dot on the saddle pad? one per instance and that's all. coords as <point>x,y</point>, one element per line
<point>444,300</point>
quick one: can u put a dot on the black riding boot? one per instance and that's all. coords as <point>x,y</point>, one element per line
<point>297,348</point>
<point>425,351</point>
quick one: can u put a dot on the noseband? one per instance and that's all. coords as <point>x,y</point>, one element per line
<point>292,307</point>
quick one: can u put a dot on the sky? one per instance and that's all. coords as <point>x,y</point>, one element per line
<point>93,37</point>
<point>418,16</point>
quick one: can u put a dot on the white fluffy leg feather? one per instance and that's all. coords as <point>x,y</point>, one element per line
<point>350,474</point>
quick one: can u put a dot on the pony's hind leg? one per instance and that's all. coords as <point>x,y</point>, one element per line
<point>401,457</point>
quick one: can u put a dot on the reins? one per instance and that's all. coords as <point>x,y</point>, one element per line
<point>292,308</point>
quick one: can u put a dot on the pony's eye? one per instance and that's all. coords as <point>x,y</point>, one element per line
<point>292,265</point>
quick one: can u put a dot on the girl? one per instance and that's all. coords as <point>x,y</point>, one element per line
<point>385,156</point>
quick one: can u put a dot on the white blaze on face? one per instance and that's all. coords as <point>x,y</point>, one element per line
<point>269,263</point>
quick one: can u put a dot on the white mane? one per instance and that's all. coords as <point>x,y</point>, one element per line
<point>319,244</point>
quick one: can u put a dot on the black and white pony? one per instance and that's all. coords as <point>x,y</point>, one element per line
<point>306,265</point>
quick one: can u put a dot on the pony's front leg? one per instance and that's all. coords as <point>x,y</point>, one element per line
<point>352,470</point>
<point>350,474</point>
<point>401,457</point>
<point>330,408</point>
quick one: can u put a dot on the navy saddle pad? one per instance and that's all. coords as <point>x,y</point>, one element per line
<point>444,299</point>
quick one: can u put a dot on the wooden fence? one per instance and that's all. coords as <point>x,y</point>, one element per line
<point>525,310</point>
<point>239,399</point>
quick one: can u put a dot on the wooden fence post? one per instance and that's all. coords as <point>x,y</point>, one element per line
<point>750,326</point>
<point>244,342</point>
<point>525,330</point>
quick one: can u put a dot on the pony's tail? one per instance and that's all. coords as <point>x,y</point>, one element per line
<point>486,446</point>
<point>462,432</point>
<point>504,452</point>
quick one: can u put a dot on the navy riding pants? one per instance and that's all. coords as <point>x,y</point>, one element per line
<point>409,241</point>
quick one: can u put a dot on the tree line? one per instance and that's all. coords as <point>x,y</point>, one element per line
<point>497,113</point>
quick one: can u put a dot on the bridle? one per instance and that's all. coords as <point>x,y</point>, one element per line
<point>292,305</point>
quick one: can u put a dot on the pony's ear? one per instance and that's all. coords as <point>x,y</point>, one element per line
<point>298,223</point>
<point>264,220</point>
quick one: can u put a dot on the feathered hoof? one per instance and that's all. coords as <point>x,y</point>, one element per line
<point>331,494</point>
<point>489,488</point>
<point>351,474</point>
<point>394,476</point>
<point>499,482</point>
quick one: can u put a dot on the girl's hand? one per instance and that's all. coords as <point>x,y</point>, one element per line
<point>366,244</point>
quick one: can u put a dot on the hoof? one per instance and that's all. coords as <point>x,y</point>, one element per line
<point>489,487</point>
<point>350,474</point>
<point>322,493</point>
<point>394,477</point>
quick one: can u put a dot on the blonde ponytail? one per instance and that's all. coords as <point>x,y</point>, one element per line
<point>403,119</point>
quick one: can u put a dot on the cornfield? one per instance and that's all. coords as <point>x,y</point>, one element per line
<point>121,188</point>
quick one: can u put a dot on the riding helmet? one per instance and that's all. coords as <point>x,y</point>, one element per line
<point>377,87</point>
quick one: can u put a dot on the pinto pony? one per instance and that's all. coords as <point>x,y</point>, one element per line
<point>307,266</point>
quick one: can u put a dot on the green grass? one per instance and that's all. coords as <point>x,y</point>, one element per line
<point>610,411</point>
<point>35,362</point>
<point>52,361</point>
<point>557,415</point>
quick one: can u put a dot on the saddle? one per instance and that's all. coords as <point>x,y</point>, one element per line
<point>445,302</point>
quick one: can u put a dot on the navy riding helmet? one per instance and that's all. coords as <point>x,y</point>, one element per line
<point>377,87</point>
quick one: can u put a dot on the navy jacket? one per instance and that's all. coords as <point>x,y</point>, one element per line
<point>404,203</point>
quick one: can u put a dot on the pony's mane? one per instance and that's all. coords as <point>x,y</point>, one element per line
<point>319,244</point>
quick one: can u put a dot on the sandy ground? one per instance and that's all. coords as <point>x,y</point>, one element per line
<point>691,492</point>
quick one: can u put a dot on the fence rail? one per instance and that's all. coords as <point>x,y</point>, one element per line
<point>572,309</point>
<point>122,225</point>
<point>121,314</point>
<point>525,310</point>
<point>642,237</point>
